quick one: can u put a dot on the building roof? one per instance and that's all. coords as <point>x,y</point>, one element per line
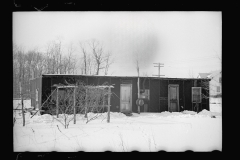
<point>214,74</point>
<point>164,78</point>
<point>203,75</point>
<point>75,86</point>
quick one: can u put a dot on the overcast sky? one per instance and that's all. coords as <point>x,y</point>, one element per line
<point>183,41</point>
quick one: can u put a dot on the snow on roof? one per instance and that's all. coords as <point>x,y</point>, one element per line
<point>204,75</point>
<point>75,86</point>
<point>214,73</point>
<point>64,86</point>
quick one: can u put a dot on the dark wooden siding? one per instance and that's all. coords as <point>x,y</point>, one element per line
<point>205,102</point>
<point>46,88</point>
<point>115,99</point>
<point>188,95</point>
<point>163,98</point>
<point>92,81</point>
<point>145,84</point>
<point>135,95</point>
<point>104,80</point>
<point>158,90</point>
<point>154,96</point>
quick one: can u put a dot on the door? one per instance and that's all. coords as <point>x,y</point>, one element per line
<point>173,100</point>
<point>126,98</point>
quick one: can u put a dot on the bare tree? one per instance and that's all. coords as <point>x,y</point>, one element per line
<point>69,62</point>
<point>49,59</point>
<point>84,58</point>
<point>95,58</point>
<point>90,65</point>
<point>191,74</point>
<point>108,62</point>
<point>16,71</point>
<point>206,89</point>
<point>32,64</point>
<point>98,54</point>
<point>36,62</point>
<point>78,98</point>
<point>87,59</point>
<point>53,57</point>
<point>21,72</point>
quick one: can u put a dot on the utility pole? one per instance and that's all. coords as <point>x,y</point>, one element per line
<point>159,65</point>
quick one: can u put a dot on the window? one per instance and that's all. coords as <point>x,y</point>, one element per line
<point>220,79</point>
<point>218,88</point>
<point>196,95</point>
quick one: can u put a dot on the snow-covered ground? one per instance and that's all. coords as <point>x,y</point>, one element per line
<point>141,132</point>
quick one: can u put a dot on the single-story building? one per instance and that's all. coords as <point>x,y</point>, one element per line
<point>159,94</point>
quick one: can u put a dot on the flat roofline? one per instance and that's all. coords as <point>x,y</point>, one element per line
<point>166,78</point>
<point>88,86</point>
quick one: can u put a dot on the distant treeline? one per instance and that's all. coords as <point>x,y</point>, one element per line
<point>57,59</point>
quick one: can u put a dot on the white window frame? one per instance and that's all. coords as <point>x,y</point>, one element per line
<point>200,89</point>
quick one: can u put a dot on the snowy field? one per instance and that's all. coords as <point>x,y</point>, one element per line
<point>147,132</point>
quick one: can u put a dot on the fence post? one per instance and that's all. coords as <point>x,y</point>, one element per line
<point>74,105</point>
<point>109,98</point>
